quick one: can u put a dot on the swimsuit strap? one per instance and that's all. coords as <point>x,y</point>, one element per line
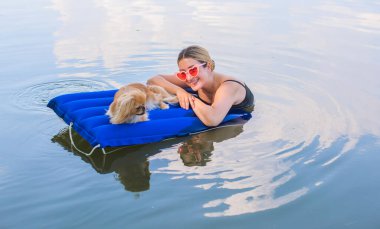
<point>235,82</point>
<point>248,99</point>
<point>248,102</point>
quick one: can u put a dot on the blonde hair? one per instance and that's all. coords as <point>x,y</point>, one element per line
<point>197,53</point>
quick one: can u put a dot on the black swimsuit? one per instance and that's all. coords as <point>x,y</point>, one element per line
<point>247,105</point>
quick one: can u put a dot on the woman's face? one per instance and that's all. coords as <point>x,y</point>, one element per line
<point>195,82</point>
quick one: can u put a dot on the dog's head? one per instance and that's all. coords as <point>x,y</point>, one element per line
<point>127,106</point>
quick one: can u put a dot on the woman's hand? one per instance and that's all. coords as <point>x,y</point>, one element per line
<point>185,99</point>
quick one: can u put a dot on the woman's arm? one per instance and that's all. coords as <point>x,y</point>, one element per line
<point>174,86</point>
<point>169,82</point>
<point>212,115</point>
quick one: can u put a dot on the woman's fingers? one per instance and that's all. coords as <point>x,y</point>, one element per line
<point>184,102</point>
<point>187,101</point>
<point>192,102</point>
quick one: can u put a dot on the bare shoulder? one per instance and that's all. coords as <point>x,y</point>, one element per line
<point>232,87</point>
<point>228,82</point>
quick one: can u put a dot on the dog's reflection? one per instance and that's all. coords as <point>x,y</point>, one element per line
<point>131,163</point>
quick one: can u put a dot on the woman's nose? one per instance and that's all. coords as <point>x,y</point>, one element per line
<point>188,76</point>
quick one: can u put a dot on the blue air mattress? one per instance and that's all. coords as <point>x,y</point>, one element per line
<point>86,113</point>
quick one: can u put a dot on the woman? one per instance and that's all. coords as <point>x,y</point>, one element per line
<point>217,93</point>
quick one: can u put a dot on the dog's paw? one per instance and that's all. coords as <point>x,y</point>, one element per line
<point>164,106</point>
<point>144,118</point>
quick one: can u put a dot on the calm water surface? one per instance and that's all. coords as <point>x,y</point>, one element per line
<point>308,158</point>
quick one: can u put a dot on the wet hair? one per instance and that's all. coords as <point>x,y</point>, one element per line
<point>197,53</point>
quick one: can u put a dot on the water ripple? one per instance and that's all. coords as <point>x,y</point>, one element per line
<point>35,97</point>
<point>291,137</point>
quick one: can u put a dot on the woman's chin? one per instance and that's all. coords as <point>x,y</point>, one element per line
<point>195,86</point>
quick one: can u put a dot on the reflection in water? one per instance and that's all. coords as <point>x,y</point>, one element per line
<point>197,150</point>
<point>114,34</point>
<point>261,169</point>
<point>107,37</point>
<point>316,99</point>
<point>131,164</point>
<point>349,18</point>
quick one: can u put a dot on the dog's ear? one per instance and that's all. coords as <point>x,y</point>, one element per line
<point>123,109</point>
<point>112,109</point>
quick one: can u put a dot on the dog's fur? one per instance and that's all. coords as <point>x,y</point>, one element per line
<point>131,102</point>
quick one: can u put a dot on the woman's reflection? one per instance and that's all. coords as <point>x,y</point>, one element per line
<point>197,150</point>
<point>131,163</point>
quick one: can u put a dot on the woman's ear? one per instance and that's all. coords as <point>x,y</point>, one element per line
<point>209,66</point>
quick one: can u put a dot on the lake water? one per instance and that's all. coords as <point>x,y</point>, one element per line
<point>309,157</point>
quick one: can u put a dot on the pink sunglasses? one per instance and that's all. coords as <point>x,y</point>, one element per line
<point>193,72</point>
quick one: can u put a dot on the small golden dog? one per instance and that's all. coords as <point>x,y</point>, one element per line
<point>131,102</point>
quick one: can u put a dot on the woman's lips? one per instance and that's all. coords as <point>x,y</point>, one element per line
<point>193,81</point>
